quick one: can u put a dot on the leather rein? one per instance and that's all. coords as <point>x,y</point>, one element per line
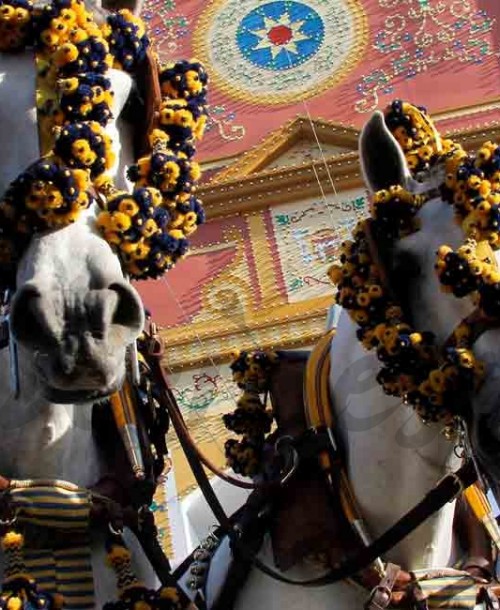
<point>445,491</point>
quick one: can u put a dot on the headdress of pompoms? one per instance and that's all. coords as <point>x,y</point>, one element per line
<point>19,590</point>
<point>132,593</point>
<point>395,211</point>
<point>87,98</point>
<point>85,146</point>
<point>472,186</point>
<point>183,113</point>
<point>16,28</point>
<point>148,236</point>
<point>148,228</point>
<point>166,211</point>
<point>185,80</point>
<point>46,196</point>
<point>415,133</point>
<point>413,367</point>
<point>127,40</point>
<point>251,372</point>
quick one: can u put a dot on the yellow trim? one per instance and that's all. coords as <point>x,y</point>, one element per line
<point>317,402</point>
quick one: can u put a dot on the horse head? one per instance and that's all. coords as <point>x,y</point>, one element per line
<point>437,237</point>
<point>73,313</point>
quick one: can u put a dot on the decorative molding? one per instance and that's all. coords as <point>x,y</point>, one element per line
<point>276,332</point>
<point>232,195</point>
<point>317,131</point>
<point>233,316</point>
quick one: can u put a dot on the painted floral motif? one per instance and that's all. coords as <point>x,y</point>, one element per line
<point>309,238</point>
<point>222,121</point>
<point>166,25</point>
<point>419,34</point>
<point>203,390</point>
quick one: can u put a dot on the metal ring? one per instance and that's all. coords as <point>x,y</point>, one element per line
<point>380,589</point>
<point>115,532</point>
<point>281,439</point>
<point>10,521</point>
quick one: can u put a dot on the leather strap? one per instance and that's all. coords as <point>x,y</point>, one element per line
<point>415,596</point>
<point>446,490</point>
<point>487,597</point>
<point>187,446</point>
<point>380,597</point>
<point>181,429</point>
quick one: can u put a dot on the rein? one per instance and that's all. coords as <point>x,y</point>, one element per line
<point>445,491</point>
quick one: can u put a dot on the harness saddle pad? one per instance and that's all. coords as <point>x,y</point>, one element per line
<point>55,519</point>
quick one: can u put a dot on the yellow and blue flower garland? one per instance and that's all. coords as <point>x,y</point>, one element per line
<point>148,227</point>
<point>414,368</point>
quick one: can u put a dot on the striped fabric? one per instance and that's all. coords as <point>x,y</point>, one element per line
<point>66,571</point>
<point>63,509</point>
<point>53,506</point>
<point>453,592</point>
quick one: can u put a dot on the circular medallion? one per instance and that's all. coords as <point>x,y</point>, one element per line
<point>279,52</point>
<point>280,35</point>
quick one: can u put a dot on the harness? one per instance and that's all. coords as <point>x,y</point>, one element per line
<point>458,362</point>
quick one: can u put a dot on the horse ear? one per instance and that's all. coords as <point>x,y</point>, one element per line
<point>134,6</point>
<point>382,160</point>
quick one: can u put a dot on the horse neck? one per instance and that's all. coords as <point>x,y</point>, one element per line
<point>41,439</point>
<point>393,459</point>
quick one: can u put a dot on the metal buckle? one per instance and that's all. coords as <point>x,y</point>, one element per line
<point>371,604</point>
<point>458,481</point>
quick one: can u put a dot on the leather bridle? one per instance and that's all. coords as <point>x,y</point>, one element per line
<point>445,491</point>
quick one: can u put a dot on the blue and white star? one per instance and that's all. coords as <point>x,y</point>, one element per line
<point>280,35</point>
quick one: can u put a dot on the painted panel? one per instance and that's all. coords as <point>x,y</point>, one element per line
<point>309,234</point>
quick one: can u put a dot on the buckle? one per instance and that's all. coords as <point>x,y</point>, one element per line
<point>376,604</point>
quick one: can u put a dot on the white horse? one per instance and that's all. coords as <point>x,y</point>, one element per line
<point>393,459</point>
<point>73,316</point>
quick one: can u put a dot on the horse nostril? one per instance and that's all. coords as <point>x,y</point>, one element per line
<point>128,312</point>
<point>32,319</point>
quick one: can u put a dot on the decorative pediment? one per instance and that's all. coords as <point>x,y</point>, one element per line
<point>299,141</point>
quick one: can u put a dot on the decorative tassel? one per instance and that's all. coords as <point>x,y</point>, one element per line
<point>19,590</point>
<point>132,593</point>
<point>251,372</point>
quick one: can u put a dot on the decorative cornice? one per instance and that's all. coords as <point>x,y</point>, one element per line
<point>207,349</point>
<point>296,325</point>
<point>281,185</point>
<point>309,179</point>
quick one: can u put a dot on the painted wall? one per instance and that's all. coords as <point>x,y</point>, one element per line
<point>269,61</point>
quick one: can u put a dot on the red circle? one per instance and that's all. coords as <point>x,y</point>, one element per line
<point>280,35</point>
